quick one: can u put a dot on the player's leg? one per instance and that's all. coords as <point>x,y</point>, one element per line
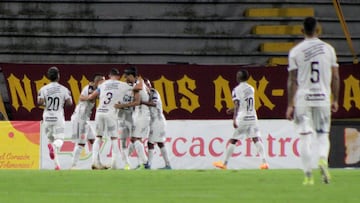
<point>164,154</point>
<point>112,132</point>
<point>78,135</point>
<point>304,128</point>
<point>151,148</point>
<point>47,129</point>
<point>141,132</point>
<point>322,122</point>
<point>100,127</point>
<point>124,133</point>
<point>59,129</point>
<point>254,134</point>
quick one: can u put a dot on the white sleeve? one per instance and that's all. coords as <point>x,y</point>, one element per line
<point>334,63</point>
<point>41,94</point>
<point>292,61</point>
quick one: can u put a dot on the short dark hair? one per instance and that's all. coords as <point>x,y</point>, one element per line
<point>53,73</point>
<point>96,75</point>
<point>132,70</point>
<point>244,75</point>
<point>310,24</point>
<point>114,71</point>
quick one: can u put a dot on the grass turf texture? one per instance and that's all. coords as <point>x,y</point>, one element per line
<point>175,186</point>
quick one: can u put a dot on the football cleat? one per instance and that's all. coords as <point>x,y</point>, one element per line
<point>220,164</point>
<point>264,166</point>
<point>308,181</point>
<point>51,151</point>
<point>127,167</point>
<point>57,168</point>
<point>324,171</point>
<point>167,167</point>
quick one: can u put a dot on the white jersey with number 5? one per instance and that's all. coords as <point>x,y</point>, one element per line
<point>244,94</point>
<point>313,59</point>
<point>54,95</point>
<point>111,93</point>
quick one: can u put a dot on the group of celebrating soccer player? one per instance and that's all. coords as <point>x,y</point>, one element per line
<point>126,110</point>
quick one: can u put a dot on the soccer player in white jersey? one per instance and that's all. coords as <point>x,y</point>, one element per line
<point>110,92</point>
<point>313,77</point>
<point>141,116</point>
<point>54,97</point>
<point>125,126</point>
<point>157,125</point>
<point>81,130</point>
<point>245,120</point>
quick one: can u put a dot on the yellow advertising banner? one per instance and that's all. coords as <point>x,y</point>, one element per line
<point>19,145</point>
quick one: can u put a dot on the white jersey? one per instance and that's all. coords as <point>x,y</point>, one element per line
<point>111,93</point>
<point>155,111</point>
<point>144,97</point>
<point>313,59</point>
<point>54,96</point>
<point>83,108</point>
<point>244,94</point>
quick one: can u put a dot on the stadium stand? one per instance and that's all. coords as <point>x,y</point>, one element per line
<point>162,31</point>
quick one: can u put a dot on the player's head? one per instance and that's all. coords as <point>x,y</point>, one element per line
<point>310,26</point>
<point>130,74</point>
<point>114,74</point>
<point>97,79</point>
<point>242,76</point>
<point>53,74</point>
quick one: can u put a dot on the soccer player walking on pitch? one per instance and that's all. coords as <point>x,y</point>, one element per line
<point>244,120</point>
<point>313,77</point>
<point>54,97</point>
<point>81,130</point>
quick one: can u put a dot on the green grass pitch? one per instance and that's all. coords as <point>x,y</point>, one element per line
<point>248,186</point>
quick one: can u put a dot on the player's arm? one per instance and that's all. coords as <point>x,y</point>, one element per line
<point>135,102</point>
<point>335,88</point>
<point>149,103</point>
<point>41,99</point>
<point>236,108</point>
<point>68,99</point>
<point>291,90</point>
<point>230,111</point>
<point>92,96</point>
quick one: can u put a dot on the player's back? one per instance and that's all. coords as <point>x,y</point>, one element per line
<point>111,92</point>
<point>313,60</point>
<point>55,96</point>
<point>245,95</point>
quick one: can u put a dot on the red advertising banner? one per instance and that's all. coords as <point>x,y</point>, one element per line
<point>188,91</point>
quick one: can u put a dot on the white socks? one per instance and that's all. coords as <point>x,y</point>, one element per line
<point>115,152</point>
<point>76,155</point>
<point>165,155</point>
<point>229,151</point>
<point>140,151</point>
<point>323,145</point>
<point>260,148</point>
<point>151,156</point>
<point>96,148</point>
<point>305,152</point>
